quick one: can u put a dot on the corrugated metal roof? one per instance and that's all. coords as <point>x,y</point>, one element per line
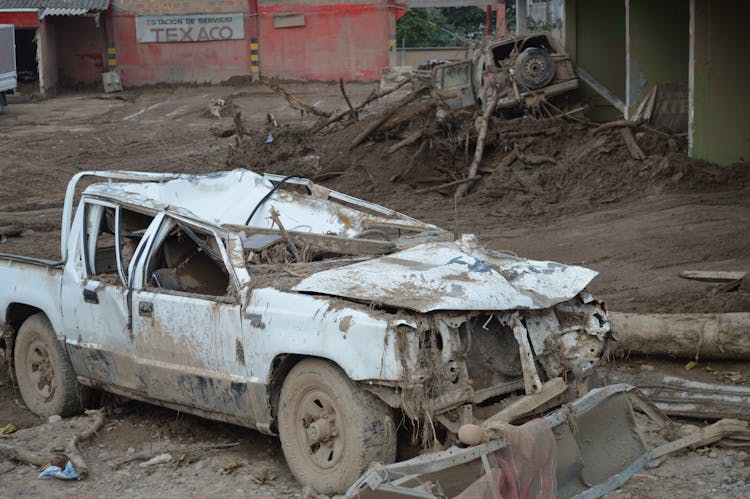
<point>56,7</point>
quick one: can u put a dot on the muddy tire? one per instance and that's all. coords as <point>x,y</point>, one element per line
<point>330,428</point>
<point>44,375</point>
<point>535,67</point>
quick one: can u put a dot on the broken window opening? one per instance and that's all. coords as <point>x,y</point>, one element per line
<point>189,260</point>
<point>110,238</point>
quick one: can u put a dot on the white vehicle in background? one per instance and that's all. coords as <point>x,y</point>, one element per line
<point>281,305</point>
<point>8,75</point>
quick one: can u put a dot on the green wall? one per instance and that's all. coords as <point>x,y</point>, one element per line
<point>659,45</point>
<point>600,50</point>
<point>721,82</point>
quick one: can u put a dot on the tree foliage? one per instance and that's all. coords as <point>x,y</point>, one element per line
<point>446,27</point>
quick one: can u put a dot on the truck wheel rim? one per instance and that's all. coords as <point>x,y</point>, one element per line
<point>40,370</point>
<point>318,427</point>
<point>535,67</point>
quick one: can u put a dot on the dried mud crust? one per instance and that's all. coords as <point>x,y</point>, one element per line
<point>361,427</point>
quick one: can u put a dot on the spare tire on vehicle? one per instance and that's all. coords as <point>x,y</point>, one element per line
<point>535,67</point>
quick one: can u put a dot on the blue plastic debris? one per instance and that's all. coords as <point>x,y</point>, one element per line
<point>69,473</point>
<point>269,139</point>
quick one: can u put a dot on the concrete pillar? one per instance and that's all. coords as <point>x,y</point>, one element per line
<point>502,27</point>
<point>522,15</point>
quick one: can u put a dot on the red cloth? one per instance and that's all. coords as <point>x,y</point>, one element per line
<point>527,465</point>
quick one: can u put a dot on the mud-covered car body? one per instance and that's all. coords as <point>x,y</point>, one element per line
<point>201,293</point>
<point>526,68</point>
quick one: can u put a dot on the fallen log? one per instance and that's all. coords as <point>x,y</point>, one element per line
<point>704,275</point>
<point>687,336</point>
<point>633,148</point>
<point>412,138</point>
<point>386,115</point>
<point>490,104</point>
<point>297,104</point>
<point>679,396</point>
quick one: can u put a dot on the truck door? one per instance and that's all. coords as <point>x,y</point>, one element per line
<point>186,321</point>
<point>454,85</point>
<point>94,294</point>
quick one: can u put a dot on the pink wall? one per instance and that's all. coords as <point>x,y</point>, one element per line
<point>148,63</point>
<point>337,41</point>
<point>80,49</point>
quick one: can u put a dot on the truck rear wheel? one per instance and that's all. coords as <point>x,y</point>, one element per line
<point>330,428</point>
<point>44,375</point>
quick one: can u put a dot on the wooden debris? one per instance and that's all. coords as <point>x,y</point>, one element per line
<point>489,108</point>
<point>72,450</point>
<point>24,456</point>
<point>181,450</point>
<point>387,114</point>
<point>412,162</point>
<point>239,128</point>
<point>633,148</point>
<point>449,184</point>
<point>688,336</point>
<point>705,436</point>
<point>285,234</point>
<point>353,112</point>
<point>493,427</point>
<point>533,159</point>
<point>616,124</point>
<point>302,107</point>
<point>412,138</point>
<point>707,275</point>
<point>375,95</point>
<point>679,396</point>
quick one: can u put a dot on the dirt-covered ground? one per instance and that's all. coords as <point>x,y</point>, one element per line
<point>638,223</point>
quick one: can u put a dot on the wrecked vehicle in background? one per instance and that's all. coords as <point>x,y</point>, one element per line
<point>278,304</point>
<point>526,69</point>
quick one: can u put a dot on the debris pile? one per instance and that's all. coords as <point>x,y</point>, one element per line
<point>547,160</point>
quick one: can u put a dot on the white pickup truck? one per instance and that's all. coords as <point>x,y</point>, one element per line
<point>277,304</point>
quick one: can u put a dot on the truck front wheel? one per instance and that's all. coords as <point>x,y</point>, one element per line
<point>330,428</point>
<point>44,375</point>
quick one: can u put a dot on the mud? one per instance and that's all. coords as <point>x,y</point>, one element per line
<point>638,223</point>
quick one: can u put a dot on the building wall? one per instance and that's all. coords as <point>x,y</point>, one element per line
<point>415,56</point>
<point>721,101</point>
<point>20,18</point>
<point>80,49</point>
<point>204,61</point>
<point>47,58</point>
<point>659,35</point>
<point>600,49</point>
<point>348,41</point>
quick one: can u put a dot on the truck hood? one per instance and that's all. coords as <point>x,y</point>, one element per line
<point>460,275</point>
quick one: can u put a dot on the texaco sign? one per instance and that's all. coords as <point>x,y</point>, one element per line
<point>189,28</point>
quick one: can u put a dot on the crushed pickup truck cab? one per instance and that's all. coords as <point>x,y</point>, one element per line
<point>278,304</point>
<point>525,68</point>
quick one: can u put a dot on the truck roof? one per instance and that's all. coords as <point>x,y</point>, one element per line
<point>243,197</point>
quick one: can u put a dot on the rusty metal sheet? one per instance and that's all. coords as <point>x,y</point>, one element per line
<point>452,276</point>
